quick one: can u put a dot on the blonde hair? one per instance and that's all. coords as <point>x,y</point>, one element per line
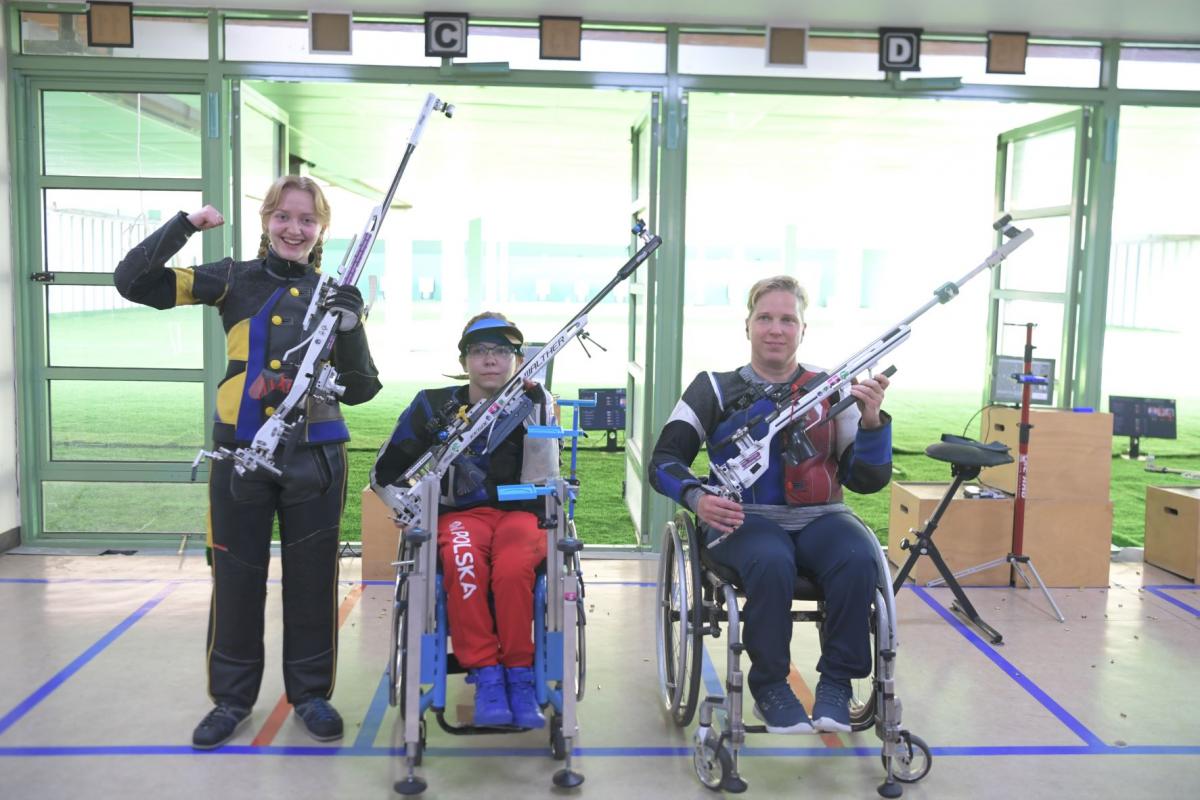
<point>275,195</point>
<point>777,283</point>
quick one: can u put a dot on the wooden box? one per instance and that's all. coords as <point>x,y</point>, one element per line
<point>1173,529</point>
<point>971,532</point>
<point>380,539</point>
<point>1069,541</point>
<point>1070,454</point>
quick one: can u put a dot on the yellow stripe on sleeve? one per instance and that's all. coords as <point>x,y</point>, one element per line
<point>184,280</point>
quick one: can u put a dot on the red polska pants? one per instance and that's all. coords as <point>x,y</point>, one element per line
<point>486,549</point>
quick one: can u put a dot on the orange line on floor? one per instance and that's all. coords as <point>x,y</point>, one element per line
<point>280,713</point>
<point>805,696</point>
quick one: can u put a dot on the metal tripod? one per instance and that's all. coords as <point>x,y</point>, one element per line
<point>1016,558</point>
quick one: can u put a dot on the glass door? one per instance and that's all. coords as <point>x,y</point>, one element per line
<point>1041,172</point>
<point>114,402</point>
<point>644,140</point>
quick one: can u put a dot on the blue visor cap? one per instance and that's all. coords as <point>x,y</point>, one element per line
<point>491,330</point>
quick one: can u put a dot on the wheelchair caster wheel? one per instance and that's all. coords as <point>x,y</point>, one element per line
<point>912,760</point>
<point>567,779</point>
<point>420,747</point>
<point>714,764</point>
<point>558,744</point>
<point>409,786</point>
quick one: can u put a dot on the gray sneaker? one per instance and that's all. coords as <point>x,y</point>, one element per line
<point>777,706</point>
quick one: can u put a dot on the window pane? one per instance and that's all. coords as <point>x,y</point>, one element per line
<point>91,230</point>
<point>815,181</point>
<point>1047,333</point>
<point>125,420</point>
<point>1041,170</point>
<point>261,140</point>
<point>51,34</point>
<point>1040,265</point>
<point>1159,68</point>
<point>1154,272</point>
<point>77,507</point>
<point>121,134</point>
<point>93,326</point>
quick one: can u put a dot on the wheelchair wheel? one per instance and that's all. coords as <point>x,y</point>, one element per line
<point>862,698</point>
<point>862,704</point>
<point>712,760</point>
<point>913,759</point>
<point>679,621</point>
<point>398,652</point>
<point>580,646</point>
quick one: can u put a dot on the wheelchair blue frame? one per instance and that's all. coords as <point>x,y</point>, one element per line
<point>559,642</point>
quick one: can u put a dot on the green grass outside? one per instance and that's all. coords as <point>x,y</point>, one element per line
<point>139,421</point>
<point>162,422</point>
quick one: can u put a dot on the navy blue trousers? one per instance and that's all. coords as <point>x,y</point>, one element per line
<point>837,552</point>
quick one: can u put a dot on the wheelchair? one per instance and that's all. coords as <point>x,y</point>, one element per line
<point>421,660</point>
<point>695,597</point>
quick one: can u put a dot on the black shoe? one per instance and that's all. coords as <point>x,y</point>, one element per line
<point>219,726</point>
<point>321,720</point>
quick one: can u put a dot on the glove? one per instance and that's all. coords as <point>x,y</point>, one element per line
<point>347,302</point>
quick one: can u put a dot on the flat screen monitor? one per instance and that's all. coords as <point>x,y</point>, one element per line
<point>1007,389</point>
<point>1136,417</point>
<point>609,412</point>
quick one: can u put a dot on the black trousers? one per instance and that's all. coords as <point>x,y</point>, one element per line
<point>836,551</point>
<point>308,501</point>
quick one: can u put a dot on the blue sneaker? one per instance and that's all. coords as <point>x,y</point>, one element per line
<point>491,702</point>
<point>831,710</point>
<point>320,719</point>
<point>522,699</point>
<point>776,705</point>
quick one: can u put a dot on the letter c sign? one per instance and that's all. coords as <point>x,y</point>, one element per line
<point>445,35</point>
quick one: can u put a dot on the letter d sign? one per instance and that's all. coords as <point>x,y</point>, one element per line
<point>445,35</point>
<point>900,49</point>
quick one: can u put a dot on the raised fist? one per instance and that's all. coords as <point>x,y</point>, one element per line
<point>205,218</point>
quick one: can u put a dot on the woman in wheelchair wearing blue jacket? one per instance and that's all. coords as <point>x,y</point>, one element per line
<point>792,518</point>
<point>485,546</point>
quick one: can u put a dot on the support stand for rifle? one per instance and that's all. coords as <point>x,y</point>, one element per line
<point>1016,558</point>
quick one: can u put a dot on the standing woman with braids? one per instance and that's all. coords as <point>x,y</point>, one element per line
<point>262,305</point>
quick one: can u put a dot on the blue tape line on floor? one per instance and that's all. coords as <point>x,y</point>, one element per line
<point>1175,601</point>
<point>1007,667</point>
<point>44,691</point>
<point>590,752</point>
<point>374,717</point>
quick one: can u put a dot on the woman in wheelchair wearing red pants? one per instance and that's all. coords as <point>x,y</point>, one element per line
<point>485,547</point>
<point>792,518</point>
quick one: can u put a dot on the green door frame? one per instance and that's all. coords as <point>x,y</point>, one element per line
<point>1075,211</point>
<point>216,76</point>
<point>36,464</point>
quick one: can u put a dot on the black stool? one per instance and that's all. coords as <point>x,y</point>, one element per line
<point>966,457</point>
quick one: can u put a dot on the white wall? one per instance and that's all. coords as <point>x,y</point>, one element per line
<point>1167,19</point>
<point>10,512</point>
